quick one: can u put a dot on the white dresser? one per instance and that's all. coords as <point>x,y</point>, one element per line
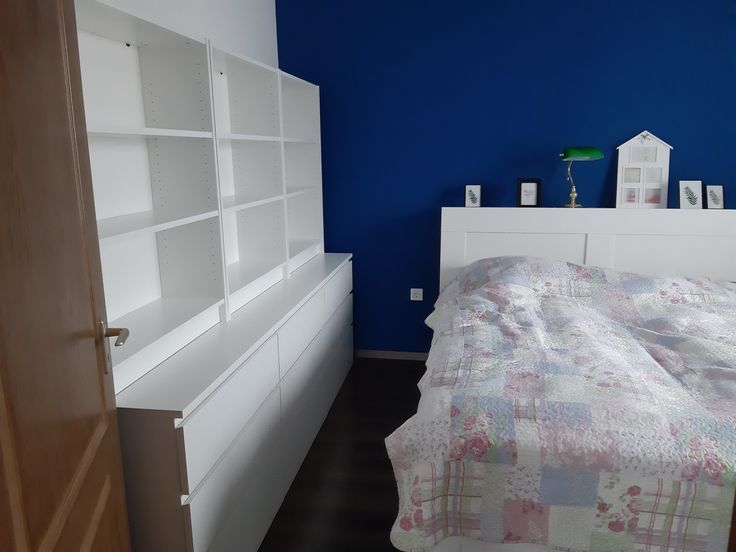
<point>213,437</point>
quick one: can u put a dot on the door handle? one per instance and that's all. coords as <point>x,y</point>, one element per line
<point>121,334</point>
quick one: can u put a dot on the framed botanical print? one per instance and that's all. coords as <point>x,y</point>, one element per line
<point>714,196</point>
<point>691,194</point>
<point>528,192</point>
<point>472,195</point>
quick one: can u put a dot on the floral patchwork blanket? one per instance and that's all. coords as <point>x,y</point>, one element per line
<point>575,407</point>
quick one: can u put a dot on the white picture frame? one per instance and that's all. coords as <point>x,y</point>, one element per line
<point>472,195</point>
<point>691,194</point>
<point>714,196</point>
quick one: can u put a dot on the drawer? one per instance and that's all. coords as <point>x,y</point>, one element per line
<point>210,429</point>
<point>338,287</point>
<point>246,479</point>
<point>312,384</point>
<point>305,370</point>
<point>300,329</point>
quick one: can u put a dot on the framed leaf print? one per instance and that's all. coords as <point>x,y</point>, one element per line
<point>472,195</point>
<point>691,194</point>
<point>714,196</point>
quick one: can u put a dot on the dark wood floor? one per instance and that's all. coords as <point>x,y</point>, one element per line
<point>344,497</point>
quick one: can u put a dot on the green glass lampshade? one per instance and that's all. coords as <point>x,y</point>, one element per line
<point>584,153</point>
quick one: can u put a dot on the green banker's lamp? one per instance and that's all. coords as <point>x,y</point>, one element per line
<point>578,154</point>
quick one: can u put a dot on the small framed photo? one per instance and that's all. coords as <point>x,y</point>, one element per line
<point>472,195</point>
<point>631,196</point>
<point>653,196</point>
<point>528,192</point>
<point>714,196</point>
<point>691,194</point>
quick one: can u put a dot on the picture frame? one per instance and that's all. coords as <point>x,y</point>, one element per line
<point>691,194</point>
<point>714,196</point>
<point>528,192</point>
<point>472,195</point>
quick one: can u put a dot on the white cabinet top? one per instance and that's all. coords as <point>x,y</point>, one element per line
<point>183,381</point>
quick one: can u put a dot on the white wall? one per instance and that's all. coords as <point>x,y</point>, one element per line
<point>246,27</point>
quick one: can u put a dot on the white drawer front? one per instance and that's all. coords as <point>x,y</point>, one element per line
<point>338,287</point>
<point>305,371</point>
<point>300,329</point>
<point>240,480</point>
<point>311,385</point>
<point>213,426</point>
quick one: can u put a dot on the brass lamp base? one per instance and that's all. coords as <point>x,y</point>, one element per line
<point>573,197</point>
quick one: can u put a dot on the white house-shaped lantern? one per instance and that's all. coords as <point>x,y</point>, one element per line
<point>643,172</point>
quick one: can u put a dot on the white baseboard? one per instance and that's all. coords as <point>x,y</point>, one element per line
<point>391,355</point>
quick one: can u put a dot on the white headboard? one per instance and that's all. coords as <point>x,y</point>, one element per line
<point>654,241</point>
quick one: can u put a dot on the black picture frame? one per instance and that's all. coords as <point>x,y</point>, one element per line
<point>520,182</point>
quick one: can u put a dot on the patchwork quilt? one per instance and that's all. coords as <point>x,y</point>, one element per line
<point>575,407</point>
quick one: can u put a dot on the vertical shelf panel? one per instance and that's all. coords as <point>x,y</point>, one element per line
<point>255,250</point>
<point>250,171</point>
<point>303,167</point>
<point>175,88</point>
<point>246,96</point>
<point>121,175</point>
<point>130,273</point>
<point>304,214</point>
<point>155,284</point>
<point>301,110</point>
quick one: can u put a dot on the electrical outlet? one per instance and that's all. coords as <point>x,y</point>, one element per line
<point>416,294</point>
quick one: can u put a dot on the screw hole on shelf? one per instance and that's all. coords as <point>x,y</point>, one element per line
<point>127,44</point>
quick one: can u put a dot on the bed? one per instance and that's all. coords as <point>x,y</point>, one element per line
<point>569,406</point>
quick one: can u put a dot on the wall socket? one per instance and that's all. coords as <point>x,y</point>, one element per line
<point>416,294</point>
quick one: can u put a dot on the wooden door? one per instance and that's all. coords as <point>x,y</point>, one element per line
<point>61,485</point>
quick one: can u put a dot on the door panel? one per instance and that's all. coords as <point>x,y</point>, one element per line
<point>61,459</point>
<point>6,521</point>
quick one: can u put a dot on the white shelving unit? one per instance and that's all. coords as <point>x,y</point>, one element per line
<point>149,114</point>
<point>206,170</point>
<point>207,173</point>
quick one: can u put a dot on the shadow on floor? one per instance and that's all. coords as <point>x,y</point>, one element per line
<point>344,497</point>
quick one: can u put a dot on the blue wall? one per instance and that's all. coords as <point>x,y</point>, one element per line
<point>420,97</point>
